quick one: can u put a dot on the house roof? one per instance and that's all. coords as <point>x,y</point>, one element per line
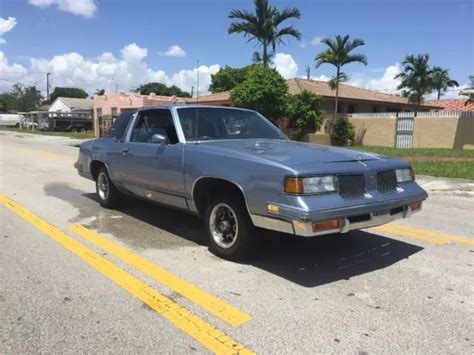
<point>453,105</point>
<point>217,97</point>
<point>76,103</point>
<point>322,88</point>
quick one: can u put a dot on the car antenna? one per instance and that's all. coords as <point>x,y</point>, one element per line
<point>197,103</point>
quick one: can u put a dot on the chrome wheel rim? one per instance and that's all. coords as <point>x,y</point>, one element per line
<point>223,225</point>
<point>103,186</point>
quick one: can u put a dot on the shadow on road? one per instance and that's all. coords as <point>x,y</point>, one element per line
<point>316,261</point>
<point>307,262</point>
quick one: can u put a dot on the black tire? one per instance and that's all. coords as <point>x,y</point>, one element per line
<point>242,244</point>
<point>109,196</point>
<point>82,130</point>
<point>74,130</point>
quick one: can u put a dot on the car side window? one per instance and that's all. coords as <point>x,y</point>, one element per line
<point>119,127</point>
<point>150,122</point>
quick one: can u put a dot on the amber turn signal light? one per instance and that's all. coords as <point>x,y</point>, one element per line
<point>327,225</point>
<point>294,185</point>
<point>415,206</point>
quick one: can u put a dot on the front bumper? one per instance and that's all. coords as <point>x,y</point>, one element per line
<point>349,219</point>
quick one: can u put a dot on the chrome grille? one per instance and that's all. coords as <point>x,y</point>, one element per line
<point>386,181</point>
<point>351,185</point>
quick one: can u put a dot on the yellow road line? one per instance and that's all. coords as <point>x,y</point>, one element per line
<point>408,234</point>
<point>424,232</point>
<point>214,305</point>
<point>203,332</point>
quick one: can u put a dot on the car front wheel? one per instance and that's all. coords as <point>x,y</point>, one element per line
<point>109,196</point>
<point>229,228</point>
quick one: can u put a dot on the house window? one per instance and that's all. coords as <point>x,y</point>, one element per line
<point>99,113</point>
<point>114,112</point>
<point>351,109</point>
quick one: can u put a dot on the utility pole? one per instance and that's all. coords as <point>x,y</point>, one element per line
<point>308,72</point>
<point>47,85</point>
<point>192,91</point>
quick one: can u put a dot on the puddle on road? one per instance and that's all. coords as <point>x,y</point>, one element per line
<point>136,223</point>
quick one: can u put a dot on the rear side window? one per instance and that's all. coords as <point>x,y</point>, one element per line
<point>118,128</point>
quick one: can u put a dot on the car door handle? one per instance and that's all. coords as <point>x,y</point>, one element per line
<point>125,151</point>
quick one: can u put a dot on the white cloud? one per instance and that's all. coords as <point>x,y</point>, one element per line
<point>85,8</point>
<point>174,51</point>
<point>133,53</point>
<point>286,65</point>
<point>316,41</point>
<point>105,71</point>
<point>6,25</point>
<point>451,93</point>
<point>321,77</point>
<point>387,82</point>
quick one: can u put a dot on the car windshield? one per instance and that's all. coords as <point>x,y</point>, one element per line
<point>225,123</point>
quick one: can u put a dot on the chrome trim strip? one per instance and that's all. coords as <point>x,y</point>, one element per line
<point>305,229</point>
<point>272,224</point>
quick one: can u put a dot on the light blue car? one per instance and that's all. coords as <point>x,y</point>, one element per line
<point>237,171</point>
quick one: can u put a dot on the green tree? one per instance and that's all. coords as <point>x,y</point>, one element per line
<point>339,53</point>
<point>440,81</point>
<point>416,77</point>
<point>228,78</point>
<point>303,112</point>
<point>22,98</point>
<point>6,102</point>
<point>263,90</point>
<point>161,89</point>
<point>67,92</point>
<point>99,92</point>
<point>264,26</point>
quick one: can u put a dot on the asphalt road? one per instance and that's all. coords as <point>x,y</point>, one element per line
<point>141,280</point>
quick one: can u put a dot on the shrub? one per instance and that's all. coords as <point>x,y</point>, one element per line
<point>343,132</point>
<point>303,112</point>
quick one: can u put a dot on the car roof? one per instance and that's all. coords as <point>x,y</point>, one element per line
<point>176,106</point>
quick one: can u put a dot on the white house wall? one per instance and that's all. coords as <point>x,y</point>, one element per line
<point>59,105</point>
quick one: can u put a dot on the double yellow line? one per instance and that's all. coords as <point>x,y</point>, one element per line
<point>422,234</point>
<point>200,330</point>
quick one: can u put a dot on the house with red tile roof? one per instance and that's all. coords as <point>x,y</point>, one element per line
<point>453,105</point>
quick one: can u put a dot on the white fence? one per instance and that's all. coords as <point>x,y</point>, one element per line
<point>412,114</point>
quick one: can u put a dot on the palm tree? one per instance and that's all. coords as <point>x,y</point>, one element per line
<point>441,81</point>
<point>416,77</point>
<point>263,26</point>
<point>339,54</point>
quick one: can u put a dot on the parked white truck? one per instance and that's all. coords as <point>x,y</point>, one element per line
<point>10,120</point>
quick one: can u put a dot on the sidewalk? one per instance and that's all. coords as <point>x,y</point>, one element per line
<point>445,186</point>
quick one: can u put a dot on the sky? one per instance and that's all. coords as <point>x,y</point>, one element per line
<point>121,44</point>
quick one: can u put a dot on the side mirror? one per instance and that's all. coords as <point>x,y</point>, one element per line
<point>158,139</point>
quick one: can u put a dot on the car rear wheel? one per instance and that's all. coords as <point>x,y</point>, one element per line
<point>229,228</point>
<point>109,196</point>
<point>74,130</point>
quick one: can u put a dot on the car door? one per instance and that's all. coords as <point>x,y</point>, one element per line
<point>113,142</point>
<point>154,170</point>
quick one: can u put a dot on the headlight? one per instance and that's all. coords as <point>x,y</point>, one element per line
<point>310,185</point>
<point>405,175</point>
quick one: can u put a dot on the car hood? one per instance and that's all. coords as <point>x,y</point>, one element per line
<point>290,153</point>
